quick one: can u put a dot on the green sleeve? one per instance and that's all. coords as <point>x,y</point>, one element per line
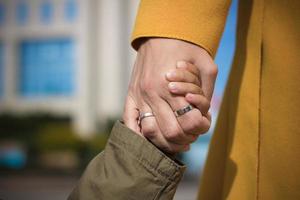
<point>130,167</point>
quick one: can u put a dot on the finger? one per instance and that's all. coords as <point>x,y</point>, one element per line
<point>199,101</point>
<point>208,74</point>
<point>148,125</point>
<point>188,66</point>
<point>181,88</point>
<point>157,138</point>
<point>192,122</point>
<point>168,123</point>
<point>194,125</point>
<point>177,75</point>
<point>131,114</point>
<point>208,116</point>
<point>151,131</point>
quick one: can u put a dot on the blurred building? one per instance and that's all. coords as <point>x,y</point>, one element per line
<point>66,57</point>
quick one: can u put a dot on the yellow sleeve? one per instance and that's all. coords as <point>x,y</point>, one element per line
<point>197,21</point>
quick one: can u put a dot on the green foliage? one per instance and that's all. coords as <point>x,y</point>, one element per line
<point>57,137</point>
<point>97,143</point>
<point>44,133</point>
<point>25,127</point>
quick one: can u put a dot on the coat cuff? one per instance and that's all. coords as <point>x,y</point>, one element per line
<point>195,21</point>
<point>146,154</point>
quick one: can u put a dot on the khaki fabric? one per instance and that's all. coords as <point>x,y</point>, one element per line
<point>130,168</point>
<point>255,150</point>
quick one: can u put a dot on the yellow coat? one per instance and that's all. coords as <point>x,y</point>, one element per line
<point>255,151</point>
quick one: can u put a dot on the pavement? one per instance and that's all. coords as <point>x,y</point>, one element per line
<point>57,187</point>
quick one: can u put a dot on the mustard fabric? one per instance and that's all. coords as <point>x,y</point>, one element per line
<point>255,150</point>
<point>182,19</point>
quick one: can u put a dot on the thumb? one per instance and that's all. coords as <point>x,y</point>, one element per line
<point>208,73</point>
<point>208,78</point>
<point>131,114</point>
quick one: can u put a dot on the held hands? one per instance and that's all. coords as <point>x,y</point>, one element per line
<point>157,86</point>
<point>184,81</point>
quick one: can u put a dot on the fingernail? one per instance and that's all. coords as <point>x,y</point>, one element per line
<point>189,96</point>
<point>172,86</point>
<point>170,74</point>
<point>181,64</point>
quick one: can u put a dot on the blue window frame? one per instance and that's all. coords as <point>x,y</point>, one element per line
<point>1,69</point>
<point>2,14</point>
<point>22,12</point>
<point>47,67</point>
<point>46,12</point>
<point>70,10</point>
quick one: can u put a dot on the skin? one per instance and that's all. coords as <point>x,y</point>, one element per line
<point>185,82</point>
<point>168,75</point>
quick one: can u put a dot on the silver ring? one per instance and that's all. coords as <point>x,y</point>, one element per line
<point>183,110</point>
<point>144,115</point>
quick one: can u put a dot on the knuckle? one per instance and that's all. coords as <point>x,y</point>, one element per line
<point>193,125</point>
<point>205,129</point>
<point>146,85</point>
<point>150,134</point>
<point>172,134</point>
<point>212,70</point>
<point>147,89</point>
<point>149,129</point>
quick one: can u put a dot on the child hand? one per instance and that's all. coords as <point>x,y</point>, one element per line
<point>185,80</point>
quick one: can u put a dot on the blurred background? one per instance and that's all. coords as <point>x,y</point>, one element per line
<point>64,70</point>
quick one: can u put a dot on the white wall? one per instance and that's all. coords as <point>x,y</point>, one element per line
<point>116,19</point>
<point>103,53</point>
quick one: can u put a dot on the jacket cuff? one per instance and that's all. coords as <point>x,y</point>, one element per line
<point>144,152</point>
<point>198,22</point>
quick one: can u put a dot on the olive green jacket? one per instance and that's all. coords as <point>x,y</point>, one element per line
<point>129,168</point>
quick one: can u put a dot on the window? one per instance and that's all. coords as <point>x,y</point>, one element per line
<point>70,10</point>
<point>46,12</point>
<point>47,67</point>
<point>22,12</point>
<point>2,14</point>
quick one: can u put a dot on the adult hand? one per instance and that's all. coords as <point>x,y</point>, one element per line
<point>148,92</point>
